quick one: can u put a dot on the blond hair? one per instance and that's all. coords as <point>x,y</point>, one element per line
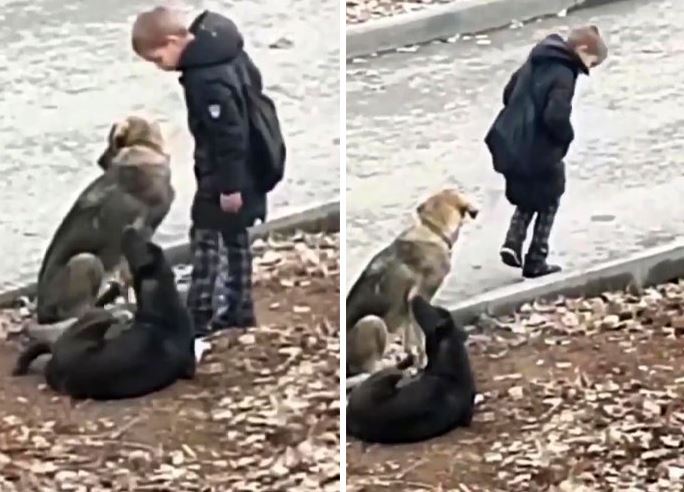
<point>152,28</point>
<point>590,37</point>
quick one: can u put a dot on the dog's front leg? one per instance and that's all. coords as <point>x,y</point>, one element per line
<point>126,280</point>
<point>406,341</point>
<point>421,356</point>
<point>414,338</point>
<point>410,344</point>
<point>414,343</point>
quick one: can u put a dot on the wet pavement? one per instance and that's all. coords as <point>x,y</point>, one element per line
<point>68,72</point>
<point>416,123</point>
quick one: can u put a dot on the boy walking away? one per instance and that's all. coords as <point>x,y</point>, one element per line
<point>239,155</point>
<point>531,136</point>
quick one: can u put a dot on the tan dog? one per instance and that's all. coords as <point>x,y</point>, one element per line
<point>135,189</point>
<point>416,262</point>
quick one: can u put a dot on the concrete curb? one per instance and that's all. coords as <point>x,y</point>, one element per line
<point>646,268</point>
<point>443,21</point>
<point>322,218</point>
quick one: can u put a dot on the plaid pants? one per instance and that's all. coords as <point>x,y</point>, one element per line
<point>220,294</point>
<point>517,232</point>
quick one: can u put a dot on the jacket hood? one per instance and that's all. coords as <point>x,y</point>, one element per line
<point>554,48</point>
<point>217,40</point>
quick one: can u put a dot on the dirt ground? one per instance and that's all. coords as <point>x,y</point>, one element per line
<point>578,396</point>
<point>261,415</point>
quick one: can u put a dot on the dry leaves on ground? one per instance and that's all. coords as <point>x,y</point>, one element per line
<point>261,415</point>
<point>577,395</point>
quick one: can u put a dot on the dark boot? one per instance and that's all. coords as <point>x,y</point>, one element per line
<point>535,269</point>
<point>535,261</point>
<point>511,255</point>
<point>511,251</point>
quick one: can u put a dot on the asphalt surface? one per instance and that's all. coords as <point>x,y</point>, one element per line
<point>416,123</point>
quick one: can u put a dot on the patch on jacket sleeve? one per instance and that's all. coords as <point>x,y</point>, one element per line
<point>214,111</point>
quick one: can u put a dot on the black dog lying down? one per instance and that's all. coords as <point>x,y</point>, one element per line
<point>438,399</point>
<point>149,353</point>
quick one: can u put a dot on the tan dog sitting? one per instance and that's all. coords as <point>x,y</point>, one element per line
<point>416,262</point>
<point>135,189</point>
<point>136,158</point>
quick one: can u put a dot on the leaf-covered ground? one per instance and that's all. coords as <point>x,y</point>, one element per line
<point>578,396</point>
<point>261,415</point>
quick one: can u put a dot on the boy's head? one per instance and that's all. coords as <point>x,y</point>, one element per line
<point>589,45</point>
<point>160,36</point>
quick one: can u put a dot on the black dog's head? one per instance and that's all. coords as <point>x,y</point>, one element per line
<point>153,277</point>
<point>145,259</point>
<point>139,253</point>
<point>444,340</point>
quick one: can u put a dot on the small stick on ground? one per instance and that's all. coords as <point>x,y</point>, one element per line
<point>409,469</point>
<point>120,431</point>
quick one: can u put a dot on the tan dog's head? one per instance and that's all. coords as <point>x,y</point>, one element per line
<point>445,211</point>
<point>128,133</point>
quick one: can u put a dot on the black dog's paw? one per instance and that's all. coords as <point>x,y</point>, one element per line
<point>130,234</point>
<point>113,292</point>
<point>408,361</point>
<point>139,253</point>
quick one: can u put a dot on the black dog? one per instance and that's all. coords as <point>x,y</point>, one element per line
<point>440,398</point>
<point>154,350</point>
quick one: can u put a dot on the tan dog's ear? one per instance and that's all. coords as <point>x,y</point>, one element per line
<point>110,135</point>
<point>428,206</point>
<point>157,134</point>
<point>119,134</point>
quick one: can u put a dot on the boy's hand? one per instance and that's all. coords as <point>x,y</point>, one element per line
<point>231,203</point>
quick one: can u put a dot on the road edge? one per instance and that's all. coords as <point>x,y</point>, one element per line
<point>644,269</point>
<point>446,20</point>
<point>321,218</point>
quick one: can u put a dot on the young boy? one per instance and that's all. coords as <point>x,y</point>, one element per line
<point>531,136</point>
<point>214,71</point>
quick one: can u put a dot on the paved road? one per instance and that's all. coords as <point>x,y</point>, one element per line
<point>415,123</point>
<point>67,72</point>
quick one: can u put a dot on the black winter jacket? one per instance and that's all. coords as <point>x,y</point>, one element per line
<point>538,96</point>
<point>215,69</point>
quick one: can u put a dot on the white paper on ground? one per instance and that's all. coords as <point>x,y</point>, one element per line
<point>201,346</point>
